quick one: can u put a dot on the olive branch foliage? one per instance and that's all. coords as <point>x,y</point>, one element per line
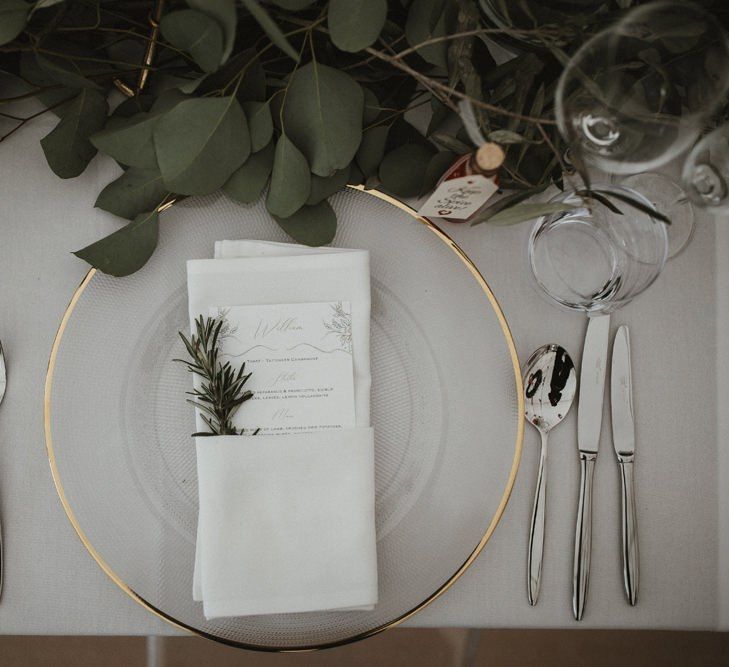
<point>286,99</point>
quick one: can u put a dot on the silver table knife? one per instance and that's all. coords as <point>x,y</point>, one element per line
<point>621,402</point>
<point>589,421</point>
<point>3,384</point>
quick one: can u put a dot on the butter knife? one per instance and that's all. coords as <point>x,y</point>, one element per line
<point>589,422</point>
<point>3,384</point>
<point>621,403</point>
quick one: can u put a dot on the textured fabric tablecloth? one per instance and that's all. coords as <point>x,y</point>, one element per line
<point>680,348</point>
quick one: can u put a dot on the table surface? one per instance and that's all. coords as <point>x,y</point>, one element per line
<point>52,586</point>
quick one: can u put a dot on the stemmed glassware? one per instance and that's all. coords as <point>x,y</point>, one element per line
<point>639,93</point>
<point>706,171</point>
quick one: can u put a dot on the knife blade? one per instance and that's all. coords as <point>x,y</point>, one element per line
<point>621,403</point>
<point>589,423</point>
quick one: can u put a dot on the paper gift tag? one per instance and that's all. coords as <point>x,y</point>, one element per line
<point>459,198</point>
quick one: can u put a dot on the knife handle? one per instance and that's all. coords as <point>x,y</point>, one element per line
<point>583,535</point>
<point>630,529</point>
<point>536,528</point>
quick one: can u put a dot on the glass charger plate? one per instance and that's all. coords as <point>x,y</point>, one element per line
<point>446,408</point>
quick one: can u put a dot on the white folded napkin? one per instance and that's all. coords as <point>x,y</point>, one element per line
<point>286,522</point>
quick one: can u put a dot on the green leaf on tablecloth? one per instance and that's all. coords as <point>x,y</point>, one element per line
<point>260,123</point>
<point>403,170</point>
<point>67,147</point>
<point>223,11</point>
<point>439,112</point>
<point>524,212</point>
<point>127,249</point>
<point>134,105</point>
<point>13,17</point>
<point>435,169</point>
<point>428,19</point>
<point>270,27</point>
<point>356,24</point>
<point>197,34</point>
<point>507,201</point>
<point>200,142</point>
<point>372,149</point>
<point>290,179</point>
<point>323,116</point>
<point>135,191</point>
<point>356,177</point>
<point>311,225</point>
<point>324,187</point>
<point>248,181</point>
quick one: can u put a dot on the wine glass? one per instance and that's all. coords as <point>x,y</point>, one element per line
<point>593,259</point>
<point>706,171</point>
<point>640,92</point>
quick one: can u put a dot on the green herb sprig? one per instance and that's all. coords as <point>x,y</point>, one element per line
<point>221,391</point>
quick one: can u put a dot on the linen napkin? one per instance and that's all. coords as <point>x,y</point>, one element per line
<point>286,522</point>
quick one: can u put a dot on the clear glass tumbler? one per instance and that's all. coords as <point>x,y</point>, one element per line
<point>593,259</point>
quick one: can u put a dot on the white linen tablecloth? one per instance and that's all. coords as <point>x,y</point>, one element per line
<point>680,339</point>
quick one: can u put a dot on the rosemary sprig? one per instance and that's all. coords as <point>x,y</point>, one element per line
<point>221,391</point>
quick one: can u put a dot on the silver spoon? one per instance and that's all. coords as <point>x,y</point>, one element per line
<point>550,382</point>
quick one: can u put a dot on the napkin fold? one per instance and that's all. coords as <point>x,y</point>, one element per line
<point>286,522</point>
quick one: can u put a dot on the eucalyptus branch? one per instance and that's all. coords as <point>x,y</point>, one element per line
<point>221,391</point>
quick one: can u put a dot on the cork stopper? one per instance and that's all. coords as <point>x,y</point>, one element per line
<point>489,156</point>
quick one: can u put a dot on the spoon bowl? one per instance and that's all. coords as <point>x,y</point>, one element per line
<point>550,383</point>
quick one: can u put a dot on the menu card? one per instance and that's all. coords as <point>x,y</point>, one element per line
<point>300,357</point>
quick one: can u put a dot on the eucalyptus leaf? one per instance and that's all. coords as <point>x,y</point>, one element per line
<point>51,94</point>
<point>200,143</point>
<point>197,34</point>
<point>372,108</point>
<point>253,85</point>
<point>135,191</point>
<point>372,149</point>
<point>129,140</point>
<point>223,11</point>
<point>290,179</point>
<point>310,225</point>
<point>524,212</point>
<point>324,187</point>
<point>65,72</point>
<point>428,19</point>
<point>67,147</point>
<point>293,5</point>
<point>323,116</point>
<point>127,249</point>
<point>13,17</point>
<point>270,27</point>
<point>356,24</point>
<point>403,170</point>
<point>260,123</point>
<point>436,168</point>
<point>356,177</point>
<point>439,112</point>
<point>247,182</point>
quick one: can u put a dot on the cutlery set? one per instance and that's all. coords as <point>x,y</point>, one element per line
<point>549,385</point>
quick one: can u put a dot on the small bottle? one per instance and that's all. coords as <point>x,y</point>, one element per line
<point>467,195</point>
